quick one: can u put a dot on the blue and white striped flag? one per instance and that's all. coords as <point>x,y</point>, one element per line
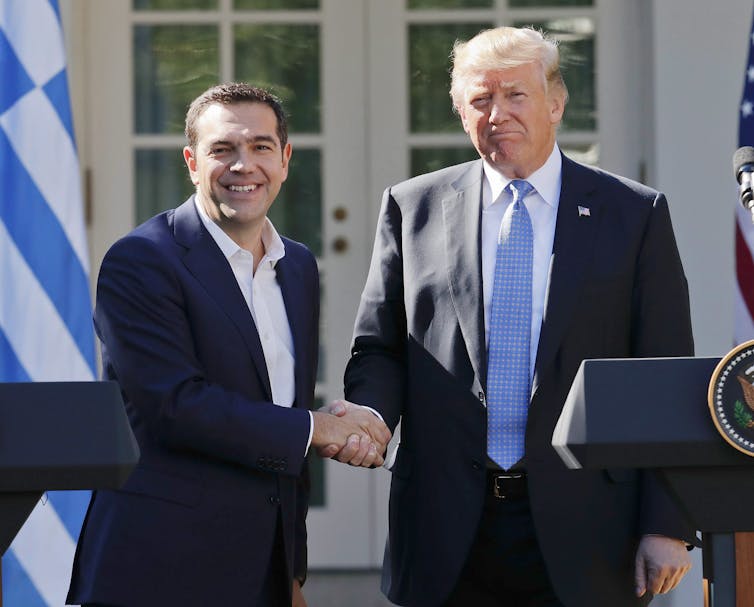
<point>45,310</point>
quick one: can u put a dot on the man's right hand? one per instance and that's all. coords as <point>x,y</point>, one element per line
<point>350,433</point>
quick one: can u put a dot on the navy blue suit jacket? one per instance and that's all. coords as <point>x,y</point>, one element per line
<point>616,289</point>
<point>220,464</point>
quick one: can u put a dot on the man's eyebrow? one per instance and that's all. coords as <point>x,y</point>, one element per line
<point>484,85</point>
<point>252,139</point>
<point>264,138</point>
<point>512,84</point>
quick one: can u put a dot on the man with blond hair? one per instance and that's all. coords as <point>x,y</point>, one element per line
<point>490,282</point>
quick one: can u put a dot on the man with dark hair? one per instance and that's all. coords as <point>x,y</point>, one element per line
<point>208,320</point>
<point>490,282</point>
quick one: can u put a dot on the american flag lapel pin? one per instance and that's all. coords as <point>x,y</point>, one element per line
<point>584,212</point>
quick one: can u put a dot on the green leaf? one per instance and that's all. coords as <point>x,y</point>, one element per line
<point>743,417</point>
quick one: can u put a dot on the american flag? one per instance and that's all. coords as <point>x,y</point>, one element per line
<point>744,327</point>
<point>45,308</point>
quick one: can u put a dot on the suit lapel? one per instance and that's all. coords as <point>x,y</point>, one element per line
<point>571,257</point>
<point>291,285</point>
<point>209,266</point>
<point>461,217</point>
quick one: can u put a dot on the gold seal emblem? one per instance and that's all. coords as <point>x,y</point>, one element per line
<point>731,397</point>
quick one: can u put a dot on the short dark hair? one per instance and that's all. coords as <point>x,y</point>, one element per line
<point>229,93</point>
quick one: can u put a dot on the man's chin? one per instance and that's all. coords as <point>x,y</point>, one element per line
<point>502,161</point>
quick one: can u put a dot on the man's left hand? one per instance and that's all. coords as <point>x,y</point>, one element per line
<point>298,596</point>
<point>661,563</point>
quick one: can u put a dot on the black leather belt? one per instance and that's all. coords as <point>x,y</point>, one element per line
<point>507,485</point>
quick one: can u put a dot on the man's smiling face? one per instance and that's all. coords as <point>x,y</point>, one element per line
<point>238,164</point>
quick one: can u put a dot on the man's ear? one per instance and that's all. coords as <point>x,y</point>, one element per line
<point>557,106</point>
<point>190,159</point>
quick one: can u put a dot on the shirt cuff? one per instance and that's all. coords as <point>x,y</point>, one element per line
<point>311,433</point>
<point>375,412</point>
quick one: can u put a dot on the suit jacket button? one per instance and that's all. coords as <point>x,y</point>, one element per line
<point>476,465</point>
<point>274,500</point>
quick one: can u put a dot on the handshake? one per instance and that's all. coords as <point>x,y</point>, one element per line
<point>350,433</point>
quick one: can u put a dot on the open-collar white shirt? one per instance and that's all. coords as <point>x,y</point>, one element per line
<point>264,299</point>
<point>542,205</point>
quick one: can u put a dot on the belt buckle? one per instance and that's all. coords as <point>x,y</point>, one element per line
<point>497,490</point>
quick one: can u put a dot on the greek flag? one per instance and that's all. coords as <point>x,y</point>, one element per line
<point>45,311</point>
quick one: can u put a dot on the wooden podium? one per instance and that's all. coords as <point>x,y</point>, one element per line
<point>59,436</point>
<point>653,414</point>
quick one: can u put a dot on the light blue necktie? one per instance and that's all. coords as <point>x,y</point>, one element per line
<point>508,382</point>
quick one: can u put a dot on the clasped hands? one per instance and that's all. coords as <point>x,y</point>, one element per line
<point>350,433</point>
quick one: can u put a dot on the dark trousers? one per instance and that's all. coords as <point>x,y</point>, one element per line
<point>505,567</point>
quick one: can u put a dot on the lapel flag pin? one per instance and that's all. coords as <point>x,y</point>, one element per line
<point>584,212</point>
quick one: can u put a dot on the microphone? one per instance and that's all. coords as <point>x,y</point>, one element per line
<point>743,168</point>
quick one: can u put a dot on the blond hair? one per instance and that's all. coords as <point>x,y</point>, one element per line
<point>503,48</point>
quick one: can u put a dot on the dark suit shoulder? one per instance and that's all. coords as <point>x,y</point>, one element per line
<point>298,256</point>
<point>297,250</point>
<point>438,183</point>
<point>154,229</point>
<point>621,188</point>
<point>147,238</point>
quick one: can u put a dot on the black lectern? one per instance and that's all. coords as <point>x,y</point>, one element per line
<point>653,413</point>
<point>59,435</point>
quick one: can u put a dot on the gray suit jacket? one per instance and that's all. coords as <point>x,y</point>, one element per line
<point>616,289</point>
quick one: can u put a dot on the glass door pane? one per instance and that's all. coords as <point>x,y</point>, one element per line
<point>429,48</point>
<point>284,58</point>
<point>172,64</point>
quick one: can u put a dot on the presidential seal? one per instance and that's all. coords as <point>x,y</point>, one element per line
<point>731,397</point>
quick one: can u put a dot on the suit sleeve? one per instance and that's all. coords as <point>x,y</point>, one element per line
<point>375,375</point>
<point>149,345</point>
<point>662,327</point>
<point>660,300</point>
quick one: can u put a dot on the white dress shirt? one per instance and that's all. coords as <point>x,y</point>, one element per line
<point>264,298</point>
<point>542,205</point>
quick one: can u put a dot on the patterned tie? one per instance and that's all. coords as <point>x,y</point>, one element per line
<point>508,382</point>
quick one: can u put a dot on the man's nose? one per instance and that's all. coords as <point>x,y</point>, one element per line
<point>243,163</point>
<point>498,111</point>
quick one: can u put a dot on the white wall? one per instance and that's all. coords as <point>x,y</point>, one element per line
<point>700,53</point>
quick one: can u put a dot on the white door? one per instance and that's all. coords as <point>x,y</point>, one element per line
<point>365,82</point>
